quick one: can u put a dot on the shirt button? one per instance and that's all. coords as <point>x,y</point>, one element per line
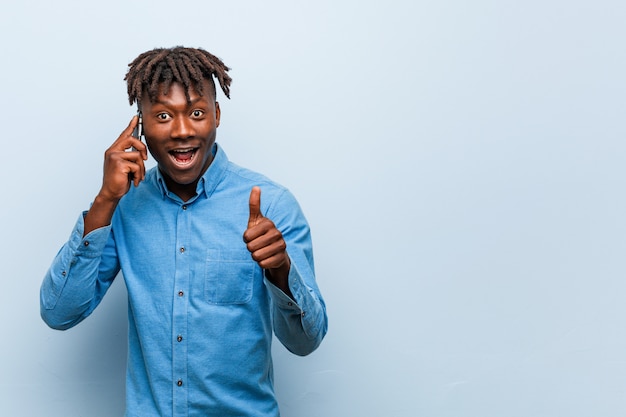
<point>179,338</point>
<point>289,303</point>
<point>182,250</point>
<point>179,382</point>
<point>303,313</point>
<point>64,273</point>
<point>185,207</point>
<point>180,293</point>
<point>86,243</point>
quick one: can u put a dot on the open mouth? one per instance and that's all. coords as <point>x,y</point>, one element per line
<point>183,157</point>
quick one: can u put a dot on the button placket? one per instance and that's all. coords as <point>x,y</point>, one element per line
<point>181,305</point>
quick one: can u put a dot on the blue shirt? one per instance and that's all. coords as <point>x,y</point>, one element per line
<point>200,312</point>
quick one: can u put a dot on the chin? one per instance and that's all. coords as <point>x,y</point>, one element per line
<point>185,179</point>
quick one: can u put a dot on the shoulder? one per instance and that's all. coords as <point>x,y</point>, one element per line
<point>246,175</point>
<point>274,196</point>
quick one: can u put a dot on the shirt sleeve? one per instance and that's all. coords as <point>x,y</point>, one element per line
<point>299,323</point>
<point>79,276</point>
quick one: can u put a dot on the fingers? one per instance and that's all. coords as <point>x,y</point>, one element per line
<point>263,234</point>
<point>128,132</point>
<point>266,244</point>
<point>124,163</point>
<point>120,169</point>
<point>272,262</point>
<point>127,142</point>
<point>119,157</point>
<point>255,207</point>
<point>135,167</point>
<point>138,173</point>
<point>264,241</point>
<point>135,150</point>
<point>267,247</point>
<point>132,124</point>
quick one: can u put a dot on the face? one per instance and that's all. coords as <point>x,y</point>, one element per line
<point>180,135</point>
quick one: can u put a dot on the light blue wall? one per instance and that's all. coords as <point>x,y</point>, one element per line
<point>462,165</point>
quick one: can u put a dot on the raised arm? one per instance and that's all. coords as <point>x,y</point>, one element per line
<point>86,265</point>
<point>283,248</point>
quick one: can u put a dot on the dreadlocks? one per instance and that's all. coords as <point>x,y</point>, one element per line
<point>161,67</point>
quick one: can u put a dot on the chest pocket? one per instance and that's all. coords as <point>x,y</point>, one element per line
<point>229,276</point>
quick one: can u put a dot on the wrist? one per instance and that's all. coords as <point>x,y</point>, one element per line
<point>100,213</point>
<point>280,276</point>
<point>103,198</point>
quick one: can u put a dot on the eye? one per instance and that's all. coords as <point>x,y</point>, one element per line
<point>197,113</point>
<point>163,116</point>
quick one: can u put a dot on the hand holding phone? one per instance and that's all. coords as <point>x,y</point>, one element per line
<point>122,168</point>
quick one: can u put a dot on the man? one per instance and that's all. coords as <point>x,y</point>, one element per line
<point>211,268</point>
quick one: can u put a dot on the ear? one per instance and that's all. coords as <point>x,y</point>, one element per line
<point>217,114</point>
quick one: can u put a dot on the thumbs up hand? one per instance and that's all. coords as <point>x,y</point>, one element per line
<point>266,244</point>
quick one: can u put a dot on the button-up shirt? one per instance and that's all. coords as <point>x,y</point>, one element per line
<point>201,312</point>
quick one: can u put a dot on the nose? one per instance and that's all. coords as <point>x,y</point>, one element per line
<point>182,128</point>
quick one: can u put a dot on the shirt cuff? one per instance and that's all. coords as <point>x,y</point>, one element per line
<point>297,288</point>
<point>91,245</point>
<point>304,303</point>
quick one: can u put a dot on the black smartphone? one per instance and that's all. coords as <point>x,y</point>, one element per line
<point>138,131</point>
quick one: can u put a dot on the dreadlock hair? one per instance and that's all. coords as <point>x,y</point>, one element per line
<point>160,67</point>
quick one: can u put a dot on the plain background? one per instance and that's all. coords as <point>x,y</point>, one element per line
<point>461,165</point>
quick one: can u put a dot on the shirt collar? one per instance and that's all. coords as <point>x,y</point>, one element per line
<point>209,180</point>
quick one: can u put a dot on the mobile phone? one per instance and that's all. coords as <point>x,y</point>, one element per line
<point>138,131</point>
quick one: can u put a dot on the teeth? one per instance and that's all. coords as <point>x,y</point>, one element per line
<point>182,150</point>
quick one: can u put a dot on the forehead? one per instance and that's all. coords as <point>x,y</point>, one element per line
<point>176,92</point>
